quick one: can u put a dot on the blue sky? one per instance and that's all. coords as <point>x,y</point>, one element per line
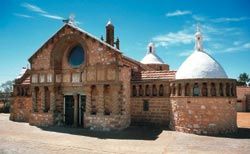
<point>25,25</point>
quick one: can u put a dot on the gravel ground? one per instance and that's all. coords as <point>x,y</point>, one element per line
<point>21,138</point>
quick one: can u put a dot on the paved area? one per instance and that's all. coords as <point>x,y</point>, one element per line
<point>20,138</point>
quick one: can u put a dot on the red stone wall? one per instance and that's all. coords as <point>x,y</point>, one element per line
<point>158,114</point>
<point>21,108</point>
<point>202,115</point>
<point>41,119</point>
<point>243,101</point>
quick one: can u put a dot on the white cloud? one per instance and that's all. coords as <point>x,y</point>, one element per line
<point>185,53</point>
<point>218,20</point>
<point>22,15</point>
<point>33,8</point>
<point>173,38</point>
<point>178,13</point>
<point>246,45</point>
<point>238,48</point>
<point>198,18</point>
<point>56,17</point>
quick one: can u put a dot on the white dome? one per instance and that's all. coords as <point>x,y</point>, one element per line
<point>200,65</point>
<point>151,57</point>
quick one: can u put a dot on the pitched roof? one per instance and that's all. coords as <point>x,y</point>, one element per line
<point>147,75</point>
<point>24,79</point>
<point>68,25</point>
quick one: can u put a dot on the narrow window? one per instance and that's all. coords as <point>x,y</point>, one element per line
<point>145,105</point>
<point>196,90</point>
<point>161,90</point>
<point>134,91</point>
<point>154,90</point>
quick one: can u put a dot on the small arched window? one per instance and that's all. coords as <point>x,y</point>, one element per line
<point>161,90</point>
<point>76,56</point>
<point>204,89</point>
<point>147,90</point>
<point>154,90</point>
<point>134,91</point>
<point>196,90</point>
<point>179,89</point>
<point>140,90</point>
<point>187,89</point>
<point>221,89</point>
<point>213,89</point>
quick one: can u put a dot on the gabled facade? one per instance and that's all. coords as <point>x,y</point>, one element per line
<point>79,80</point>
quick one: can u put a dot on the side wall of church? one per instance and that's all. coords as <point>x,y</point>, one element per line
<point>202,115</point>
<point>158,112</point>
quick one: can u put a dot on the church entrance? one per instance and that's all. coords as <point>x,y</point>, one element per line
<point>72,118</point>
<point>69,109</point>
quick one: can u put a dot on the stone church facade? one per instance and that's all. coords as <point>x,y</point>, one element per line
<point>79,80</point>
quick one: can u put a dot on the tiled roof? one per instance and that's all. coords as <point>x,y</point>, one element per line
<point>146,75</point>
<point>26,81</point>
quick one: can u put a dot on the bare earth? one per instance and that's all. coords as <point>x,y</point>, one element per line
<point>22,138</point>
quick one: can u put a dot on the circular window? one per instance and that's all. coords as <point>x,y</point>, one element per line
<point>76,56</point>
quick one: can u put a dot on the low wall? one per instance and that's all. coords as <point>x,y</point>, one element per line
<point>202,115</point>
<point>106,122</point>
<point>20,109</point>
<point>157,114</point>
<point>41,119</point>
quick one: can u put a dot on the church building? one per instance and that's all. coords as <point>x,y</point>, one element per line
<point>79,80</point>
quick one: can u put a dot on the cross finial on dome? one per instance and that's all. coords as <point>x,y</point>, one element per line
<point>198,39</point>
<point>198,27</point>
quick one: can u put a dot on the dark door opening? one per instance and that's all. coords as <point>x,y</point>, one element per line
<point>82,104</point>
<point>69,109</point>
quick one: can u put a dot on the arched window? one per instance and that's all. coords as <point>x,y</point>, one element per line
<point>140,90</point>
<point>107,100</point>
<point>204,89</point>
<point>134,91</point>
<point>196,90</point>
<point>213,89</point>
<point>161,90</point>
<point>36,99</point>
<point>154,90</point>
<point>147,90</point>
<point>227,89</point>
<point>174,89</point>
<point>187,89</point>
<point>221,89</point>
<point>94,96</point>
<point>232,90</point>
<point>47,99</point>
<point>76,56</point>
<point>179,89</point>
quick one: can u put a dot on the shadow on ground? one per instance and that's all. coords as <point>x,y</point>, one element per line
<point>243,133</point>
<point>132,132</point>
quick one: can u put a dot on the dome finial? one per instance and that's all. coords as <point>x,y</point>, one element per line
<point>198,39</point>
<point>151,48</point>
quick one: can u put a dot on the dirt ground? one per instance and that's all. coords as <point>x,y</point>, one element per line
<point>21,138</point>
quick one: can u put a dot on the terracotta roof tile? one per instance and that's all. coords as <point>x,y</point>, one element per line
<point>146,75</point>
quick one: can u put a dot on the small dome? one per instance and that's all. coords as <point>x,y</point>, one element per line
<point>151,57</point>
<point>23,70</point>
<point>200,65</point>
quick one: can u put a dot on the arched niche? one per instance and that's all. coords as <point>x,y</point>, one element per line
<point>61,51</point>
